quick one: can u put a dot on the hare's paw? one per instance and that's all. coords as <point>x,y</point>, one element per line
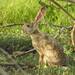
<point>42,66</point>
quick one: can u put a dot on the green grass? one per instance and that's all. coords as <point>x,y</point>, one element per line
<point>14,11</point>
<point>21,11</point>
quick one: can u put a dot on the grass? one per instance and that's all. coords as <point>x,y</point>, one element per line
<point>12,38</point>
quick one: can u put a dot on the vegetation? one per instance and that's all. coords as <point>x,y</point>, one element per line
<point>13,39</point>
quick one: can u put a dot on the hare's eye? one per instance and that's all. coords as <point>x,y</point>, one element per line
<point>28,25</point>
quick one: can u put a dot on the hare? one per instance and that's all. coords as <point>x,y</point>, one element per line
<point>50,51</point>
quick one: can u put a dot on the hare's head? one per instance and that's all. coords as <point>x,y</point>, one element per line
<point>29,28</point>
<point>32,27</point>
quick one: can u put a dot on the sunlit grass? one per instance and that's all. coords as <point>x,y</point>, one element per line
<point>18,11</point>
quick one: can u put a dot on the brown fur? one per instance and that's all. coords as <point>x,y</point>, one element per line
<point>49,49</point>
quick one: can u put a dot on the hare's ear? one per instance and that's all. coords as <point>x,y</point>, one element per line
<point>39,15</point>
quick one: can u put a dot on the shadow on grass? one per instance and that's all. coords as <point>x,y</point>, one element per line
<point>11,44</point>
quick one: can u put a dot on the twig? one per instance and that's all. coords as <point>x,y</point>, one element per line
<point>73,36</point>
<point>62,9</point>
<point>10,25</point>
<point>52,25</point>
<point>42,3</point>
<point>18,53</point>
<point>71,1</point>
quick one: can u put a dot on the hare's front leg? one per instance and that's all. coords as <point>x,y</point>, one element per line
<point>42,60</point>
<point>41,57</point>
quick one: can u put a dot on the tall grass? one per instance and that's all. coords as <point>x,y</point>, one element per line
<point>14,11</point>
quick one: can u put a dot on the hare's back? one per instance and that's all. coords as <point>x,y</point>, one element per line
<point>52,42</point>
